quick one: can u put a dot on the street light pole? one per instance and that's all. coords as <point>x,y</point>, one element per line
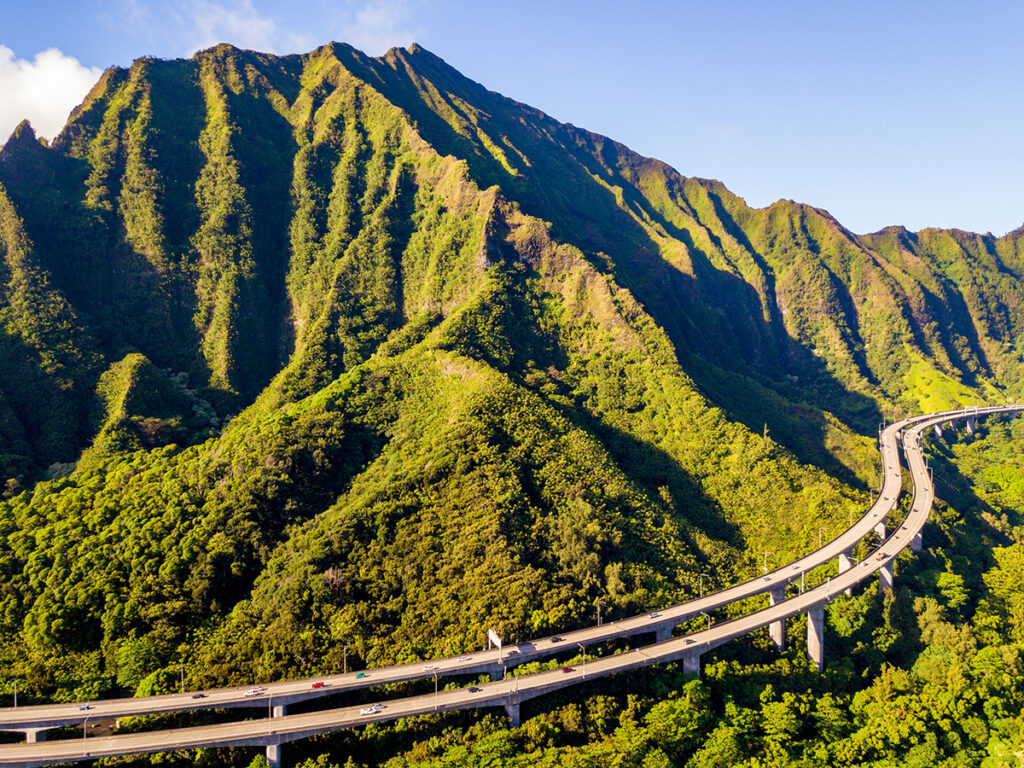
<point>702,583</point>
<point>181,669</point>
<point>344,659</point>
<point>584,650</point>
<point>766,553</point>
<point>821,529</point>
<point>15,681</point>
<point>435,689</point>
<point>599,604</point>
<point>702,613</point>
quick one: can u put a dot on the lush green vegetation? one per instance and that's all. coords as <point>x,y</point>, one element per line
<point>321,355</point>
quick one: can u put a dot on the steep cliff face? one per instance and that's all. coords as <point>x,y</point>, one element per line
<point>360,352</point>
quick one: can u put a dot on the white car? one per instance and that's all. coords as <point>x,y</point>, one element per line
<point>430,667</point>
<point>464,658</point>
<point>369,711</point>
<point>253,692</point>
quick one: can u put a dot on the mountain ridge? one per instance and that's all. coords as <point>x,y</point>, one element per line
<point>331,349</point>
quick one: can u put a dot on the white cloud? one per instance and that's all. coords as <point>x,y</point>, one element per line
<point>378,25</point>
<point>237,22</point>
<point>44,90</point>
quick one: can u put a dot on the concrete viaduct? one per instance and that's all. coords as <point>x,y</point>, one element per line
<point>281,728</point>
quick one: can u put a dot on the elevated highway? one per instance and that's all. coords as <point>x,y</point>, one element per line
<point>509,693</point>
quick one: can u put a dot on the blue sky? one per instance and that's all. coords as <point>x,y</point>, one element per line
<point>881,112</point>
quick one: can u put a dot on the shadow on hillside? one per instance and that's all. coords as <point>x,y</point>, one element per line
<point>713,317</point>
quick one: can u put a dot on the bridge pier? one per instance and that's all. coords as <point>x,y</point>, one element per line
<point>885,577</point>
<point>970,425</point>
<point>938,430</point>
<point>280,710</point>
<point>917,542</point>
<point>777,629</point>
<point>274,755</point>
<point>33,735</point>
<point>880,529</point>
<point>816,635</point>
<point>845,564</point>
<point>691,665</point>
<point>662,634</point>
<point>512,710</point>
<point>497,674</point>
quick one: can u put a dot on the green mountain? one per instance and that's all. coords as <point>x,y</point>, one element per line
<point>310,353</point>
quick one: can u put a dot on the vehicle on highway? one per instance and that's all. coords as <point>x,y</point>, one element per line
<point>475,689</point>
<point>464,658</point>
<point>567,670</point>
<point>84,707</point>
<point>198,695</point>
<point>361,675</point>
<point>880,556</point>
<point>429,667</point>
<point>253,692</point>
<point>557,639</point>
<point>654,615</point>
<point>796,567</point>
<point>513,652</point>
<point>368,711</point>
<point>319,684</point>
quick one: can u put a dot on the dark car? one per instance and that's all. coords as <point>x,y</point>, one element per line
<point>361,675</point>
<point>198,695</point>
<point>475,689</point>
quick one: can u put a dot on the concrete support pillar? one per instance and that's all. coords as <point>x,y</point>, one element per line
<point>662,634</point>
<point>32,735</point>
<point>917,542</point>
<point>274,755</point>
<point>777,629</point>
<point>498,674</point>
<point>816,635</point>
<point>691,665</point>
<point>938,430</point>
<point>512,710</point>
<point>885,577</point>
<point>880,529</point>
<point>280,710</point>
<point>845,564</point>
<point>970,425</point>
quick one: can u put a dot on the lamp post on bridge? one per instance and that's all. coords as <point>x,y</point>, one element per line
<point>15,681</point>
<point>766,553</point>
<point>584,651</point>
<point>599,603</point>
<point>821,529</point>
<point>702,583</point>
<point>708,617</point>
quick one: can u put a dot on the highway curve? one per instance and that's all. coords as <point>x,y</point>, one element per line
<point>512,691</point>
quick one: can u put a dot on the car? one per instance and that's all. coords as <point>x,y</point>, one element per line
<point>361,675</point>
<point>475,689</point>
<point>795,567</point>
<point>567,670</point>
<point>464,658</point>
<point>767,578</point>
<point>430,667</point>
<point>880,556</point>
<point>368,711</point>
<point>319,684</point>
<point>513,652</point>
<point>253,692</point>
<point>865,563</point>
<point>198,695</point>
<point>557,639</point>
<point>85,707</point>
<point>654,614</point>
